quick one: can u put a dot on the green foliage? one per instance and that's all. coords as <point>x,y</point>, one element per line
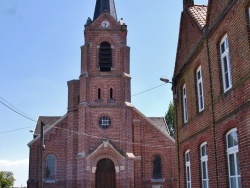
<point>169,118</point>
<point>6,179</point>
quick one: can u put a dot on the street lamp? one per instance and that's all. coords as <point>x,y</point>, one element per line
<point>165,80</point>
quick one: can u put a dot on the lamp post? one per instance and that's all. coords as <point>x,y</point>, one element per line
<point>175,124</point>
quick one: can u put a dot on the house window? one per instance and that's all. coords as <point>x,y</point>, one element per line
<point>200,89</point>
<point>157,168</point>
<point>233,159</point>
<point>204,169</point>
<point>105,57</point>
<point>111,93</point>
<point>104,122</point>
<point>99,93</point>
<point>50,173</point>
<point>225,64</point>
<point>188,171</point>
<point>249,16</point>
<point>184,96</point>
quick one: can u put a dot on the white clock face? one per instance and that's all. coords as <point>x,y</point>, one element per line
<point>105,24</point>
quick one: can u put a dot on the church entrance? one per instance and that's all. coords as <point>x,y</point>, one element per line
<point>105,174</point>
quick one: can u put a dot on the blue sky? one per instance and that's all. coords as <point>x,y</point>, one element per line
<point>40,51</point>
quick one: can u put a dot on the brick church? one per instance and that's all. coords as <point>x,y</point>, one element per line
<point>211,86</point>
<point>102,141</point>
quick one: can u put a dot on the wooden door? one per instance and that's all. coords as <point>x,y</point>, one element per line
<point>105,174</point>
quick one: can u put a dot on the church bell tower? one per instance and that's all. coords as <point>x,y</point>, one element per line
<point>105,118</point>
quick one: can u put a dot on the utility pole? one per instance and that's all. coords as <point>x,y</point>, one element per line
<point>41,150</point>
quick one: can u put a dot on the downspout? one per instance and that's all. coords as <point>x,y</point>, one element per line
<point>213,118</point>
<point>176,130</point>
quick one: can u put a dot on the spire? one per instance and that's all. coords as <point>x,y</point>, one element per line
<point>105,6</point>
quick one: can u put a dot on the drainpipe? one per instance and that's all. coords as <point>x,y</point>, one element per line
<point>213,118</point>
<point>41,149</point>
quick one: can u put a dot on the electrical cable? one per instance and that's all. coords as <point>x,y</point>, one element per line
<point>148,90</point>
<point>113,140</point>
<point>14,109</point>
<point>18,112</point>
<point>16,130</point>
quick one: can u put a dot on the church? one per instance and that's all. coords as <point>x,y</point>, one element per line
<point>102,141</point>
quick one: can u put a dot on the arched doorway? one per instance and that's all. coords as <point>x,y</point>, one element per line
<point>105,174</point>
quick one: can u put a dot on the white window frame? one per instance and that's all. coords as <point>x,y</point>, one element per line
<point>200,89</point>
<point>233,159</point>
<point>225,64</point>
<point>184,97</point>
<point>204,166</point>
<point>249,15</point>
<point>188,169</point>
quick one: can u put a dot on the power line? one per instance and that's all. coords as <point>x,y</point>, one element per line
<point>113,140</point>
<point>15,130</point>
<point>31,119</point>
<point>14,109</point>
<point>148,90</point>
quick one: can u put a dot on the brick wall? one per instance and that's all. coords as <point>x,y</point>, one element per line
<point>79,142</point>
<point>223,111</point>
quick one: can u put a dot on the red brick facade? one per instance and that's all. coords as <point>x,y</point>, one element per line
<point>77,140</point>
<point>200,46</point>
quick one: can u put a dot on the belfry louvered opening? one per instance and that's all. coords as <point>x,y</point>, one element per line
<point>105,57</point>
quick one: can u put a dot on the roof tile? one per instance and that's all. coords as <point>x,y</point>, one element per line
<point>199,13</point>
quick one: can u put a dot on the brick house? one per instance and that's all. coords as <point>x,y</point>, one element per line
<point>102,140</point>
<point>211,89</point>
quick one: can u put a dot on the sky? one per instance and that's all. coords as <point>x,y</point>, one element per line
<point>40,51</point>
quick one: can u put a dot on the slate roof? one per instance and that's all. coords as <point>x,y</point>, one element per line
<point>47,120</point>
<point>199,13</point>
<point>102,6</point>
<point>160,121</point>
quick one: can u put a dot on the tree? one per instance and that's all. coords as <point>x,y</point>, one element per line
<point>6,179</point>
<point>169,118</point>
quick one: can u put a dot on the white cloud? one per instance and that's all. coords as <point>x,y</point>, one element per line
<point>19,169</point>
<point>6,163</point>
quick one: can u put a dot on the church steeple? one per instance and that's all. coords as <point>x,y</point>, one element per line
<point>105,6</point>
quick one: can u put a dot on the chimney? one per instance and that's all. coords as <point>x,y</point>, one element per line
<point>188,3</point>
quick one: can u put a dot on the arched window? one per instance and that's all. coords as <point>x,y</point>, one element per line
<point>188,170</point>
<point>105,57</point>
<point>99,93</point>
<point>233,159</point>
<point>200,89</point>
<point>204,168</point>
<point>157,168</point>
<point>50,173</point>
<point>225,64</point>
<point>111,93</point>
<point>184,101</point>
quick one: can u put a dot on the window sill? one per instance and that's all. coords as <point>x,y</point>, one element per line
<point>158,180</point>
<point>50,181</point>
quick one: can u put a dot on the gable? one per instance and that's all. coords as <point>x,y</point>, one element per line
<point>155,124</point>
<point>190,34</point>
<point>48,127</point>
<point>104,147</point>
